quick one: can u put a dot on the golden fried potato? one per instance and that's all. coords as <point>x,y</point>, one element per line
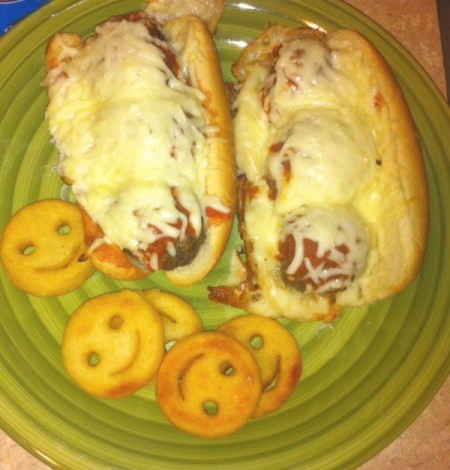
<point>42,248</point>
<point>113,344</point>
<point>180,319</point>
<point>277,353</point>
<point>208,384</point>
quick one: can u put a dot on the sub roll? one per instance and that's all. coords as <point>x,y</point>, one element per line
<point>140,118</point>
<point>332,192</point>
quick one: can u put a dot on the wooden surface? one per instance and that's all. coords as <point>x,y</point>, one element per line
<point>425,445</point>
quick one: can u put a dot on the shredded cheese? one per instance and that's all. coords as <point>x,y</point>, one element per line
<point>330,228</point>
<point>128,131</point>
<point>309,134</point>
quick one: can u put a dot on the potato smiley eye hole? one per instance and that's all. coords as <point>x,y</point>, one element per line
<point>116,322</point>
<point>211,408</point>
<point>93,359</point>
<point>64,229</point>
<point>28,249</point>
<point>256,342</point>
<point>226,368</point>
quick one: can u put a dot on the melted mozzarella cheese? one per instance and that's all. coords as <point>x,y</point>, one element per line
<point>128,130</point>
<point>310,135</point>
<point>320,146</point>
<point>308,75</point>
<point>331,228</point>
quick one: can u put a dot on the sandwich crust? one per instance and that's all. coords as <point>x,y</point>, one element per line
<point>190,36</point>
<point>210,11</point>
<point>403,228</point>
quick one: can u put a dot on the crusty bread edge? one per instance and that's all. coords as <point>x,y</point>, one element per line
<point>200,54</point>
<point>409,227</point>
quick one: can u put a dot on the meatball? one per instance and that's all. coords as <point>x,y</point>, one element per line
<point>329,270</point>
<point>322,250</point>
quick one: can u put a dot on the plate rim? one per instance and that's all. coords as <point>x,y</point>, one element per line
<point>431,87</point>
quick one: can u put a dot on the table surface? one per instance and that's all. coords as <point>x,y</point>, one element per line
<point>426,443</point>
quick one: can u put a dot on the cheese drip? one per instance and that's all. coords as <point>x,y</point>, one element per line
<point>128,132</point>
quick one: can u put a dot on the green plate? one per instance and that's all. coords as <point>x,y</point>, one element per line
<point>363,382</point>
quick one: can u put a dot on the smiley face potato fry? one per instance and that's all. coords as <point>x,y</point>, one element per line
<point>113,344</point>
<point>42,248</point>
<point>179,318</point>
<point>208,385</point>
<point>277,353</point>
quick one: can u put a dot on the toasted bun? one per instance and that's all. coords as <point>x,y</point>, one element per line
<point>342,109</point>
<point>210,11</point>
<point>192,50</point>
<point>197,50</point>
